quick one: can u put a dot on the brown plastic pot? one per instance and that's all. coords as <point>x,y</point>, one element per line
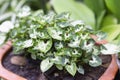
<point>111,71</point>
<point>109,74</point>
<point>4,73</point>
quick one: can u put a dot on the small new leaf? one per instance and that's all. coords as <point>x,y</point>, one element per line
<point>60,67</point>
<point>81,70</point>
<point>33,56</point>
<point>96,61</point>
<point>72,68</point>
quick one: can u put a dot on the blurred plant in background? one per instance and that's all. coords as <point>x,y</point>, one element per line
<point>98,14</point>
<point>1,79</point>
<point>10,9</point>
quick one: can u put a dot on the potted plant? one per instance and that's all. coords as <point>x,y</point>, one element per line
<point>58,41</point>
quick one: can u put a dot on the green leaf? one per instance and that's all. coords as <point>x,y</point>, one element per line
<point>109,20</point>
<point>33,56</point>
<point>45,65</point>
<point>2,38</point>
<point>75,42</point>
<point>71,68</point>
<point>114,6</point>
<point>96,51</point>
<point>64,16</point>
<point>81,70</point>
<point>60,67</point>
<point>112,30</point>
<point>60,60</point>
<point>58,45</point>
<point>43,46</point>
<point>96,5</point>
<point>117,40</point>
<point>98,8</point>
<point>76,53</point>
<point>27,43</point>
<point>77,10</point>
<point>101,35</point>
<point>55,33</point>
<point>99,20</point>
<point>110,49</point>
<point>54,42</point>
<point>96,61</point>
<point>42,34</point>
<point>87,47</point>
<point>64,51</point>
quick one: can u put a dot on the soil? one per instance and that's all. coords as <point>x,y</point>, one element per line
<point>31,71</point>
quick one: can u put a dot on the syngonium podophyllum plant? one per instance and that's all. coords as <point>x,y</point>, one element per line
<point>57,40</point>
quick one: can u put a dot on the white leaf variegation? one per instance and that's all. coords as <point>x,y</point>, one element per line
<point>79,28</point>
<point>110,49</point>
<point>45,65</point>
<point>71,68</point>
<point>88,47</point>
<point>63,24</point>
<point>81,70</point>
<point>96,61</point>
<point>63,16</point>
<point>27,43</point>
<point>101,35</point>
<point>75,42</point>
<point>96,51</point>
<point>59,45</point>
<point>43,46</point>
<point>55,33</point>
<point>60,60</point>
<point>25,11</point>
<point>76,53</point>
<point>6,26</point>
<point>34,34</point>
<point>77,22</point>
<point>57,40</point>
<point>84,36</point>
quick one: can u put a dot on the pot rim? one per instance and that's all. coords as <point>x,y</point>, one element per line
<point>111,71</point>
<point>4,73</point>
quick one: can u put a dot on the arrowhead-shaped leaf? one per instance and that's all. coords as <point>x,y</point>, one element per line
<point>96,61</point>
<point>43,46</point>
<point>45,65</point>
<point>71,69</point>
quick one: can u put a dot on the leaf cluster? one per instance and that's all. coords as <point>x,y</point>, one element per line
<point>56,40</point>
